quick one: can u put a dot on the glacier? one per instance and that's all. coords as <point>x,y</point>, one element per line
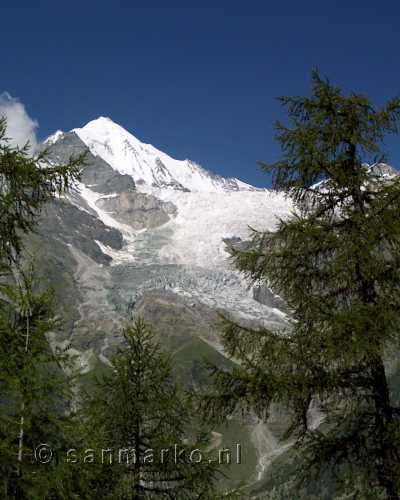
<point>186,254</point>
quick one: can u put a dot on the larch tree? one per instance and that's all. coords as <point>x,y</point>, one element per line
<point>36,392</point>
<point>33,388</point>
<point>138,414</point>
<point>27,182</point>
<point>336,263</point>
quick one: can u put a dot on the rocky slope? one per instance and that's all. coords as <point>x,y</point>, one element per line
<point>145,234</point>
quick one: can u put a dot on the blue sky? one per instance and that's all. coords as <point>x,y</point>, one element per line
<point>196,79</point>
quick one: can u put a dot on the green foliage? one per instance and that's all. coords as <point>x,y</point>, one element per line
<point>138,408</point>
<point>328,133</point>
<point>26,183</point>
<point>35,391</point>
<point>336,262</point>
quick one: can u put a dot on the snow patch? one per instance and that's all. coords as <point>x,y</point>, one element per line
<point>205,219</point>
<point>53,137</point>
<point>148,165</point>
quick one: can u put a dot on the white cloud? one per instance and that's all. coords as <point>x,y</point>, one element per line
<point>20,126</point>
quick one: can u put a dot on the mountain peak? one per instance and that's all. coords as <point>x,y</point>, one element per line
<point>102,121</point>
<point>54,137</point>
<point>103,125</point>
<point>104,118</point>
<point>148,166</point>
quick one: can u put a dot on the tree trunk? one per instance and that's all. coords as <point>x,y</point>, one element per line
<point>386,464</point>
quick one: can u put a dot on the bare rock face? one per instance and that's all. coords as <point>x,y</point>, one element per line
<point>97,173</point>
<point>139,210</point>
<point>178,319</point>
<point>66,223</point>
<point>264,295</point>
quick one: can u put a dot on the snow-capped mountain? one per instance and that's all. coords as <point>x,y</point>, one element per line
<point>146,164</point>
<point>165,222</point>
<point>178,214</point>
<point>145,234</point>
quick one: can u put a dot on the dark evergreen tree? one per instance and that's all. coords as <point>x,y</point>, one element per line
<point>33,382</point>
<point>137,408</point>
<point>27,182</point>
<point>336,262</point>
<point>35,393</point>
